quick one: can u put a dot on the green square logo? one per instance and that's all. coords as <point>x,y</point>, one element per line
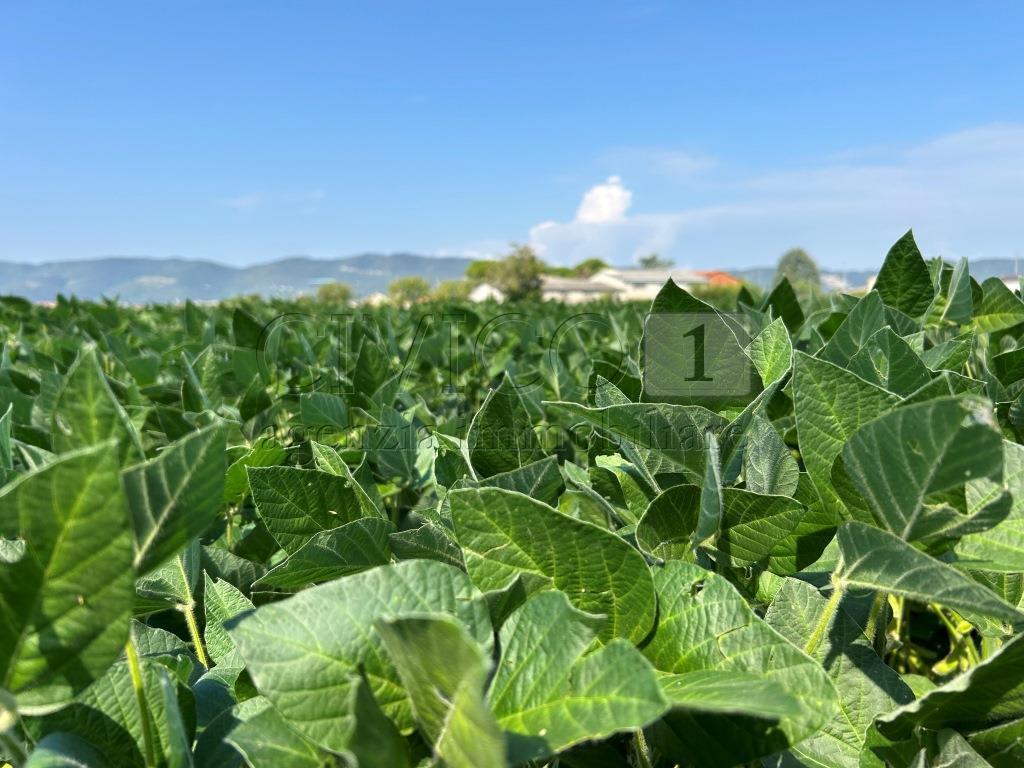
<point>698,358</point>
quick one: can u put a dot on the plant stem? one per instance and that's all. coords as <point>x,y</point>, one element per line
<point>193,630</point>
<point>229,528</point>
<point>962,640</point>
<point>641,749</point>
<point>190,617</point>
<point>876,608</point>
<point>823,621</point>
<point>135,670</point>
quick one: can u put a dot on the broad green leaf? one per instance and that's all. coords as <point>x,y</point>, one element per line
<point>443,669</point>
<point>107,715</point>
<point>888,361</point>
<point>667,527</point>
<point>246,329</point>
<point>372,369</point>
<point>768,465</point>
<point>623,484</point>
<point>548,694</point>
<point>772,352</point>
<point>901,457</point>
<point>734,438</point>
<point>1009,366</point>
<point>981,699</point>
<point>323,413</point>
<point>866,686</point>
<point>176,738</point>
<point>194,397</point>
<point>87,413</point>
<point>999,308</point>
<point>1002,744</point>
<point>65,750</point>
<point>710,518</point>
<point>174,582</point>
<point>785,305</point>
<point>878,560</point>
<point>704,626</point>
<point>730,692</point>
<point>953,303</point>
<point>946,383</point>
<point>429,541</point>
<point>221,602</point>
<point>955,752</point>
<point>266,740</point>
<point>265,452</point>
<point>669,437</point>
<point>296,504</point>
<point>539,480</point>
<point>319,639</point>
<point>393,446</point>
<point>949,355</point>
<point>756,527</point>
<point>504,534</point>
<point>451,459</point>
<point>863,322</point>
<point>64,605</point>
<point>830,404</point>
<point>328,460</point>
<point>176,496</point>
<point>694,355</point>
<point>904,281</point>
<point>1000,548</point>
<point>332,554</point>
<point>501,437</point>
<point>375,741</point>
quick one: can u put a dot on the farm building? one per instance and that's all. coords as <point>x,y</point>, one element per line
<point>572,290</point>
<point>486,292</point>
<point>644,284</point>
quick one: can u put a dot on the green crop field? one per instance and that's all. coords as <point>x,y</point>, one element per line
<point>785,531</point>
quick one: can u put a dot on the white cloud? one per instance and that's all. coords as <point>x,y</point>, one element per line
<point>605,202</point>
<point>672,163</point>
<point>306,199</point>
<point>309,195</point>
<point>242,202</point>
<point>960,192</point>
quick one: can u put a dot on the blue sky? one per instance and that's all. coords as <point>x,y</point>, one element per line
<point>716,133</point>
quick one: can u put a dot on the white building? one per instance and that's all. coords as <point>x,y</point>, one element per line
<point>486,292</point>
<point>572,290</point>
<point>376,299</point>
<point>644,284</point>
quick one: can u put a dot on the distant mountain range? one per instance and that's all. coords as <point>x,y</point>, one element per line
<point>142,279</point>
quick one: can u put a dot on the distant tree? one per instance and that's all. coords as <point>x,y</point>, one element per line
<point>589,267</point>
<point>408,290</point>
<point>334,293</point>
<point>548,269</point>
<point>482,271</point>
<point>518,274</point>
<point>654,261</point>
<point>799,268</point>
<point>452,290</point>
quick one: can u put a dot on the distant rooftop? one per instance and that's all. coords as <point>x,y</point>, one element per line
<point>648,276</point>
<point>552,283</point>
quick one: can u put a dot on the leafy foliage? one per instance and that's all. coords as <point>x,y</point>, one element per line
<point>407,290</point>
<point>249,534</point>
<point>798,268</point>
